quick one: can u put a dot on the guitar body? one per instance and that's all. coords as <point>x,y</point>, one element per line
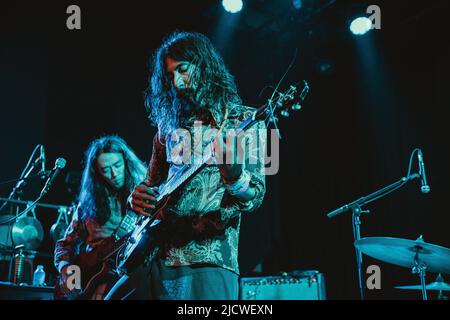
<point>141,241</point>
<point>96,267</point>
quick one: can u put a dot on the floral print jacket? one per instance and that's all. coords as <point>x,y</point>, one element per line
<point>202,220</point>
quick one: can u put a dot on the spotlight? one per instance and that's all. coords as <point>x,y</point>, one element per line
<point>232,6</point>
<point>297,4</point>
<point>360,26</point>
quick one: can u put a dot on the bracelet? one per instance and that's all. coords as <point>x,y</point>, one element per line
<point>241,185</point>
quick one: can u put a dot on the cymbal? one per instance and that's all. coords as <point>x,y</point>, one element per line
<point>58,230</point>
<point>27,231</point>
<point>401,252</point>
<point>439,286</point>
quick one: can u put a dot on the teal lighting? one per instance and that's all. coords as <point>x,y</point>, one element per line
<point>232,6</point>
<point>360,26</point>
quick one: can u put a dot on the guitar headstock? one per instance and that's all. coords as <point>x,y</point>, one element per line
<point>290,100</point>
<point>282,103</point>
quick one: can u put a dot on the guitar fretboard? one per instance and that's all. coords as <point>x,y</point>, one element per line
<point>178,179</point>
<point>188,170</point>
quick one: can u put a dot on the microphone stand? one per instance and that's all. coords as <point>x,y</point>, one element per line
<point>24,176</point>
<point>357,211</point>
<point>17,190</point>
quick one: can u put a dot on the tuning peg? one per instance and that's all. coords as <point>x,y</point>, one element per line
<point>284,113</point>
<point>296,106</point>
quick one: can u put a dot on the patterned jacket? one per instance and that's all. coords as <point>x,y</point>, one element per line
<point>85,234</point>
<point>202,220</point>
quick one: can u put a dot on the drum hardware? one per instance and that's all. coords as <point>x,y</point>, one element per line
<point>417,255</point>
<point>356,208</point>
<point>22,267</point>
<point>28,231</point>
<point>25,232</point>
<point>420,268</point>
<point>437,285</point>
<point>39,204</point>
<point>34,229</point>
<point>59,228</point>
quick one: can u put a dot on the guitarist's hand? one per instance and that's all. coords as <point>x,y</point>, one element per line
<point>143,199</point>
<point>229,158</point>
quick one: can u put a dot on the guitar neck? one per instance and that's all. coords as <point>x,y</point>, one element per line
<point>189,170</point>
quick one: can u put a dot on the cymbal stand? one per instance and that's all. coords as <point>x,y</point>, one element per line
<point>441,296</point>
<point>356,220</point>
<point>420,268</point>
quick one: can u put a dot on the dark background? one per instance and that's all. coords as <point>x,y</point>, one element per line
<point>386,94</point>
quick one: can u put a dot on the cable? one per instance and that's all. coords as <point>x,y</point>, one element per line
<point>11,195</point>
<point>285,73</point>
<point>275,91</point>
<point>28,209</point>
<point>29,161</point>
<point>408,177</point>
<point>410,161</point>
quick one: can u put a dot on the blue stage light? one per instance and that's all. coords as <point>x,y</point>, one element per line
<point>360,26</point>
<point>232,6</point>
<point>297,4</point>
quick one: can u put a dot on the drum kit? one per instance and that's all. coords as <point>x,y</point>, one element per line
<point>417,255</point>
<point>20,237</point>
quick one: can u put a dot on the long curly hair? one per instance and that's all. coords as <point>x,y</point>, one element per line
<point>215,86</point>
<point>93,197</point>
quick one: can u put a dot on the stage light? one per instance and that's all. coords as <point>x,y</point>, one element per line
<point>297,4</point>
<point>232,6</point>
<point>360,26</point>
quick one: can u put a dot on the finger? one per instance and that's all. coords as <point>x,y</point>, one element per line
<point>147,190</point>
<point>145,183</point>
<point>141,212</point>
<point>142,204</point>
<point>141,188</point>
<point>143,196</point>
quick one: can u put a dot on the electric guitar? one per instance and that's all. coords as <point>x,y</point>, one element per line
<point>97,266</point>
<point>143,239</point>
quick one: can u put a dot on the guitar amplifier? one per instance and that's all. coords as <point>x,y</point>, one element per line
<point>297,285</point>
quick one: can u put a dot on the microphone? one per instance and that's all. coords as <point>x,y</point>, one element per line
<point>40,161</point>
<point>425,188</point>
<point>42,152</point>
<point>60,163</point>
